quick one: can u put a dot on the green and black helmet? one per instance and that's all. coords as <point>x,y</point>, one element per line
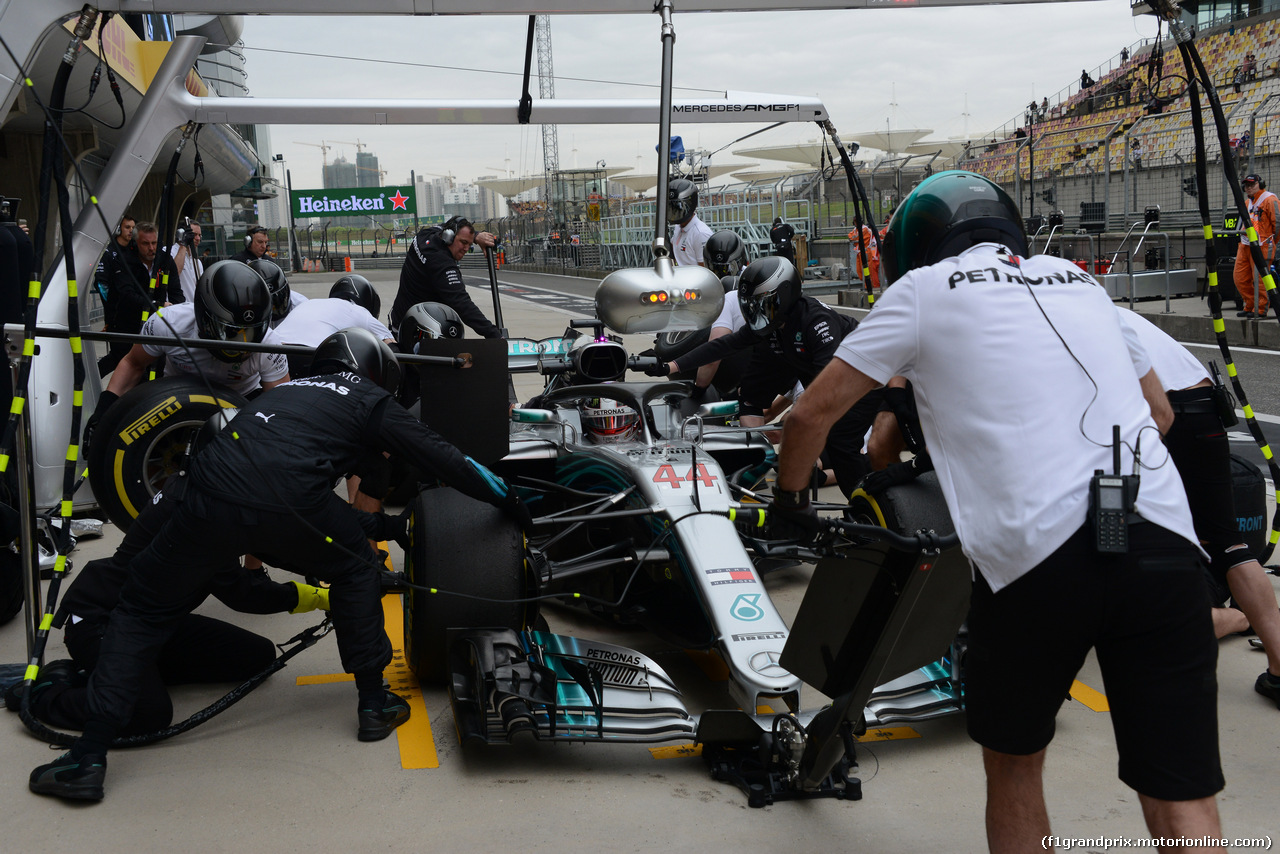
<point>945,215</point>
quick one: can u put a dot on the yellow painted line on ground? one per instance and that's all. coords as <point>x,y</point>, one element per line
<point>890,733</point>
<point>1089,698</point>
<point>676,751</point>
<point>710,663</point>
<point>417,743</point>
<point>325,679</point>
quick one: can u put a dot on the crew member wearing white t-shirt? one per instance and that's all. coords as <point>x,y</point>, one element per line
<point>314,320</point>
<point>690,234</point>
<point>1020,368</point>
<point>1198,443</point>
<point>242,376</point>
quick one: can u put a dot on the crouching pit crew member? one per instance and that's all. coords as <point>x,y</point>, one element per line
<point>200,650</point>
<point>265,486</point>
<point>1016,453</point>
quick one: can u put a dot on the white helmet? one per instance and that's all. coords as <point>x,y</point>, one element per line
<point>607,422</point>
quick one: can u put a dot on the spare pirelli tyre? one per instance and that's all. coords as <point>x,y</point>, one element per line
<point>146,436</point>
<point>905,508</point>
<point>669,346</point>
<point>459,545</point>
<point>673,345</point>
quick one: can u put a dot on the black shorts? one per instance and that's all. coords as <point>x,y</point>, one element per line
<point>1199,447</point>
<point>1146,614</point>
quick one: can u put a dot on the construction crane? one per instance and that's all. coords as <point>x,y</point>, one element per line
<point>546,90</point>
<point>324,150</point>
<point>360,146</point>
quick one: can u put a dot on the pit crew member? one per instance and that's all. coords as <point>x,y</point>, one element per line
<point>430,274</point>
<point>795,336</point>
<point>690,234</point>
<point>1016,451</point>
<point>266,487</point>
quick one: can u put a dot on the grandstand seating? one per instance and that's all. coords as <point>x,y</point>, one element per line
<point>1073,138</point>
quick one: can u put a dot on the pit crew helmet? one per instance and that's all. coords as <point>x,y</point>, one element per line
<point>427,320</point>
<point>360,352</point>
<point>607,422</point>
<point>359,290</point>
<point>277,284</point>
<point>232,304</point>
<point>682,200</point>
<point>945,215</point>
<point>767,290</point>
<point>725,253</point>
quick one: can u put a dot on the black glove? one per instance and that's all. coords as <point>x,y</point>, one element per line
<point>657,369</point>
<point>517,511</point>
<point>396,528</point>
<point>792,517</point>
<point>104,403</point>
<point>896,474</point>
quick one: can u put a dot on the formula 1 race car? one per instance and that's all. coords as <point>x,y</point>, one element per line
<point>639,497</point>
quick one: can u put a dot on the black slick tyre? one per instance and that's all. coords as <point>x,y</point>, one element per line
<point>459,545</point>
<point>145,437</point>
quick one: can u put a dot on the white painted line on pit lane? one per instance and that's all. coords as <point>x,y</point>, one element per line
<point>1270,419</point>
<point>1233,349</point>
<point>541,305</point>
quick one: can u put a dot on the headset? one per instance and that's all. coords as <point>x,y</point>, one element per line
<point>248,235</point>
<point>452,227</point>
<point>1262,185</point>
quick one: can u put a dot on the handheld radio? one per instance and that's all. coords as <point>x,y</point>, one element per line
<point>1111,500</point>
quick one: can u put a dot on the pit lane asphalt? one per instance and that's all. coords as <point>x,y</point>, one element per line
<point>282,771</point>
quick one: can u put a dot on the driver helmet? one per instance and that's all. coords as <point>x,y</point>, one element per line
<point>427,320</point>
<point>232,303</point>
<point>277,284</point>
<point>682,200</point>
<point>608,422</point>
<point>359,290</point>
<point>767,290</point>
<point>725,253</point>
<point>945,215</point>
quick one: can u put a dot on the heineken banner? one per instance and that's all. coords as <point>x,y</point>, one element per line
<point>354,201</point>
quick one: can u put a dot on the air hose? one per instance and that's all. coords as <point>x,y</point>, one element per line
<point>51,171</point>
<point>302,641</point>
<point>1197,74</point>
<point>860,200</point>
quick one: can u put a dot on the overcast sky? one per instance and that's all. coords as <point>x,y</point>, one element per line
<point>906,67</point>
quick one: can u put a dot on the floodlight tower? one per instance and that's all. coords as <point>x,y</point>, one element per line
<point>547,89</point>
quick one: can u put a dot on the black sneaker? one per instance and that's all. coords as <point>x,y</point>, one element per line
<point>76,780</point>
<point>377,724</point>
<point>61,672</point>
<point>1242,314</point>
<point>1269,687</point>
